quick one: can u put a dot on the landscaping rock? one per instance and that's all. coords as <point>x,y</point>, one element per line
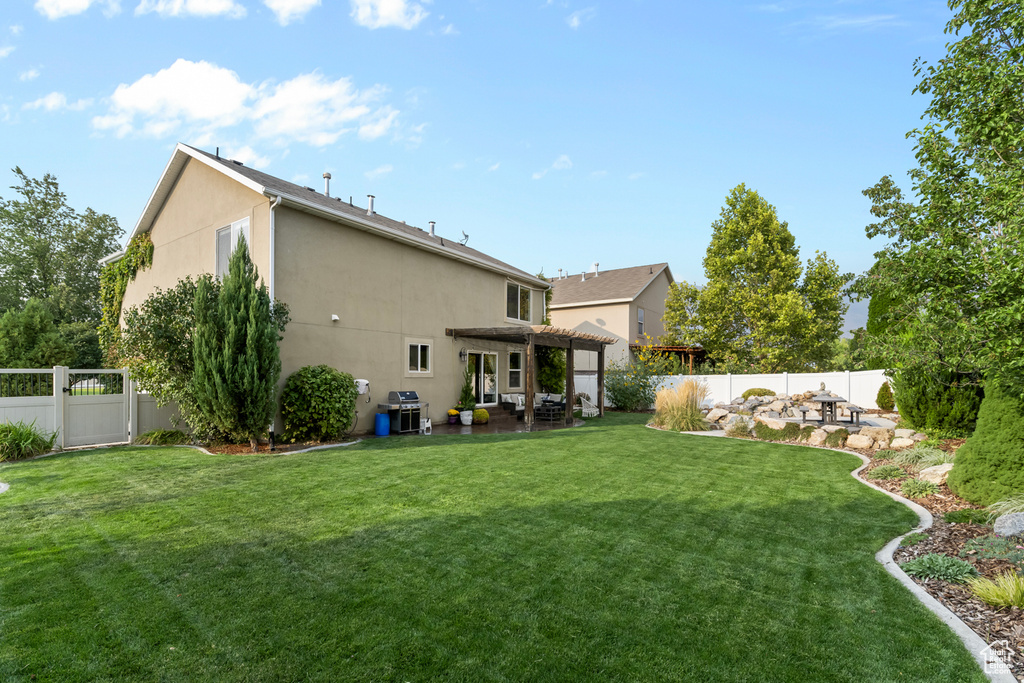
<point>904,433</point>
<point>860,442</point>
<point>899,443</point>
<point>813,415</point>
<point>832,428</point>
<point>919,437</point>
<point>716,415</point>
<point>817,437</point>
<point>770,422</point>
<point>778,406</point>
<point>937,474</point>
<point>1010,525</point>
<point>876,433</point>
<point>881,445</point>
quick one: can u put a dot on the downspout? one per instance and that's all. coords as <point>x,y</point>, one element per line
<point>273,206</point>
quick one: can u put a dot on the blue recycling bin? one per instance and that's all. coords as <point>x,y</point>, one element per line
<point>382,425</point>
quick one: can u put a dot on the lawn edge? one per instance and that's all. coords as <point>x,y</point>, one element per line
<point>975,644</point>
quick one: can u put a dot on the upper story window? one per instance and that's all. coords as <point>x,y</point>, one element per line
<point>227,240</point>
<point>517,302</point>
<point>639,322</point>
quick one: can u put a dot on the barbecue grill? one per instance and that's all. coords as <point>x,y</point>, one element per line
<point>404,408</point>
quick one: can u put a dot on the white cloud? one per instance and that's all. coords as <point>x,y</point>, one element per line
<point>16,29</point>
<point>493,167</point>
<point>598,174</point>
<point>4,51</point>
<point>55,9</point>
<point>379,171</point>
<point>202,98</point>
<point>56,101</point>
<point>198,8</point>
<point>636,176</point>
<point>450,30</point>
<point>562,163</point>
<point>29,75</point>
<point>288,11</point>
<point>384,13</point>
<point>579,16</point>
<point>248,156</point>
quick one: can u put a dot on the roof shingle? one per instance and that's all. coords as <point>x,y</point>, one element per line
<point>607,285</point>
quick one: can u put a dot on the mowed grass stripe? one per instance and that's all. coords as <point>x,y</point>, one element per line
<point>610,551</point>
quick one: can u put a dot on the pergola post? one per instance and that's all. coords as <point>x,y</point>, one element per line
<point>570,385</point>
<point>531,378</point>
<point>600,381</point>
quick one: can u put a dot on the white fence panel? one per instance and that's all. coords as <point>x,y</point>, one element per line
<point>150,416</point>
<point>29,409</point>
<point>96,407</point>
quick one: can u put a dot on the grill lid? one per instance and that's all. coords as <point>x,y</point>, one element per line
<point>403,397</point>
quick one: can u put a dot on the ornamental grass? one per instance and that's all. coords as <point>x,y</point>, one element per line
<point>679,409</point>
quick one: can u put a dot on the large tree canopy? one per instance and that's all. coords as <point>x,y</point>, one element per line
<point>953,265</point>
<point>755,313</point>
<point>50,252</point>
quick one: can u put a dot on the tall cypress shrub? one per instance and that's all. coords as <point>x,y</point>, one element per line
<point>990,466</point>
<point>237,363</point>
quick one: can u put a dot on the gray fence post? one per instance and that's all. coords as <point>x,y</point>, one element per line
<point>60,382</point>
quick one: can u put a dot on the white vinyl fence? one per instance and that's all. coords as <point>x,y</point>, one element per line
<point>83,407</point>
<point>859,388</point>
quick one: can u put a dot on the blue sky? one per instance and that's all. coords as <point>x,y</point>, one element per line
<point>555,133</point>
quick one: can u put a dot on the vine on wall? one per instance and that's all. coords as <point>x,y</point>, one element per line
<point>114,279</point>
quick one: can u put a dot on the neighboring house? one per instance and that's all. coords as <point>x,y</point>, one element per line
<point>626,304</point>
<point>368,295</point>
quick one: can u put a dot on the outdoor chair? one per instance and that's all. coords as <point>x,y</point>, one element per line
<point>589,409</point>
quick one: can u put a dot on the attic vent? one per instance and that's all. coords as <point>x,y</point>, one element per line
<point>237,162</point>
<point>310,188</point>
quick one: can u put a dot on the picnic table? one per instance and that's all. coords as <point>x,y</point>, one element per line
<point>828,407</point>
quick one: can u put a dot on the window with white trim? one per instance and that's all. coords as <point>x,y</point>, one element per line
<point>639,322</point>
<point>227,240</point>
<point>517,302</point>
<point>515,370</point>
<point>419,358</point>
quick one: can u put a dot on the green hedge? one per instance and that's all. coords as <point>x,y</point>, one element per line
<point>990,466</point>
<point>935,404</point>
<point>318,403</point>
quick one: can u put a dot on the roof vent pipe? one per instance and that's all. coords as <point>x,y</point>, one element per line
<point>596,264</point>
<point>431,228</point>
<point>327,184</point>
<point>369,209</point>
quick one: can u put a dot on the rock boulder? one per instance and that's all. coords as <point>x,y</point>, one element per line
<point>771,422</point>
<point>937,474</point>
<point>860,442</point>
<point>1010,525</point>
<point>899,443</point>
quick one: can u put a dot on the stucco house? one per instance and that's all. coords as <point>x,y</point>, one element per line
<point>402,307</point>
<point>625,304</point>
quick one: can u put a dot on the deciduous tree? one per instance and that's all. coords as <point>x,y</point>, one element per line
<point>755,312</point>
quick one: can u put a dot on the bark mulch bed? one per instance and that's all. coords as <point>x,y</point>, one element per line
<point>264,447</point>
<point>991,623</point>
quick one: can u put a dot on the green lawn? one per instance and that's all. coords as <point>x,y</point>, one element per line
<point>608,552</point>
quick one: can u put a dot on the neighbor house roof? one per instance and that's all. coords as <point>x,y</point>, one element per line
<point>317,203</point>
<point>622,285</point>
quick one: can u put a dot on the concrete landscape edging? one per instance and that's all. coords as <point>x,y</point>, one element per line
<point>993,667</point>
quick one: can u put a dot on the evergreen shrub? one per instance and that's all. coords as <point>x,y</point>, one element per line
<point>757,392</point>
<point>990,466</point>
<point>935,404</point>
<point>480,416</point>
<point>318,403</point>
<point>884,399</point>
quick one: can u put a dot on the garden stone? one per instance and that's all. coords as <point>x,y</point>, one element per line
<point>770,422</point>
<point>777,406</point>
<point>717,414</point>
<point>772,414</point>
<point>937,474</point>
<point>899,443</point>
<point>832,428</point>
<point>904,433</point>
<point>817,437</point>
<point>734,418</point>
<point>876,433</point>
<point>882,445</point>
<point>1010,525</point>
<point>860,442</point>
<point>920,437</point>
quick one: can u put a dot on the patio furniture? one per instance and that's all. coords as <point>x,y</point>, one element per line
<point>589,409</point>
<point>803,413</point>
<point>828,407</point>
<point>548,411</point>
<point>855,415</point>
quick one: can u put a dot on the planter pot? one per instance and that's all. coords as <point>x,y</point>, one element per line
<point>453,419</point>
<point>466,416</point>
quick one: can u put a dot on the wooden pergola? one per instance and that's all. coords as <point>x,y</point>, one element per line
<point>545,335</point>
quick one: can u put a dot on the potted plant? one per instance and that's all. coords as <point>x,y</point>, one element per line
<point>467,398</point>
<point>453,416</point>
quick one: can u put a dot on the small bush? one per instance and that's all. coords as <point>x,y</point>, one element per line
<point>990,466</point>
<point>757,392</point>
<point>738,428</point>
<point>162,437</point>
<point>480,416</point>
<point>19,440</point>
<point>886,472</point>
<point>966,516</point>
<point>1007,506</point>
<point>1007,590</point>
<point>921,456</point>
<point>837,439</point>
<point>318,403</point>
<point>934,403</point>
<point>995,548</point>
<point>936,566</point>
<point>918,488</point>
<point>884,399</point>
<point>913,539</point>
<point>679,409</point>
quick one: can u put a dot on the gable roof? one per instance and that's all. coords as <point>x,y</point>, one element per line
<point>316,203</point>
<point>605,287</point>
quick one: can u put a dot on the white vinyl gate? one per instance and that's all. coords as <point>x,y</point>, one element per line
<point>84,407</point>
